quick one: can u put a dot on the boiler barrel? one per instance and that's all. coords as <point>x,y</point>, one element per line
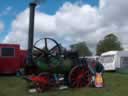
<point>54,65</point>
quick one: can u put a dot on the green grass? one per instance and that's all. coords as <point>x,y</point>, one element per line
<point>115,85</point>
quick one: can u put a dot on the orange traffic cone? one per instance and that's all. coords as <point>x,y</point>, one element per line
<point>98,80</point>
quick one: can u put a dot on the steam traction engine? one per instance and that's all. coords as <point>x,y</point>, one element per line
<point>51,58</point>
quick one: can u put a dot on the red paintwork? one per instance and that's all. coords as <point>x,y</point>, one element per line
<point>10,65</point>
<point>40,80</point>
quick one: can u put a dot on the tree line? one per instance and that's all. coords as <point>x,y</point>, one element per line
<point>109,42</point>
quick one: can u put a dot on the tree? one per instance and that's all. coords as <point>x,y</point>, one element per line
<point>110,42</point>
<point>81,48</point>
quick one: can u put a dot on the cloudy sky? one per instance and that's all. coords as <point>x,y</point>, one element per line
<point>68,21</point>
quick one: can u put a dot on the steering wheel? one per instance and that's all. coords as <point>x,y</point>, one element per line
<point>46,47</point>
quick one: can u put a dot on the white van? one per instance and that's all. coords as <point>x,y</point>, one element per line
<point>113,60</point>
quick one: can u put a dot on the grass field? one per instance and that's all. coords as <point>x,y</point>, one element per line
<point>115,85</point>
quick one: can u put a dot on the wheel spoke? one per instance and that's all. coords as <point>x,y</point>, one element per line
<point>38,48</point>
<point>46,45</point>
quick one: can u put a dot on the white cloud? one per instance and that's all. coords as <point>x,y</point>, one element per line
<point>73,23</point>
<point>1,26</point>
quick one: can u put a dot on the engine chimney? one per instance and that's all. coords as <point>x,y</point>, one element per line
<point>31,31</point>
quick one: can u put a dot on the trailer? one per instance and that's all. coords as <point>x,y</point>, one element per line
<point>12,58</point>
<point>113,60</point>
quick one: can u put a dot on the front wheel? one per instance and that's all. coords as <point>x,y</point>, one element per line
<point>80,76</point>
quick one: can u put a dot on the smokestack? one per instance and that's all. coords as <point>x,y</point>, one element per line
<point>31,31</point>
